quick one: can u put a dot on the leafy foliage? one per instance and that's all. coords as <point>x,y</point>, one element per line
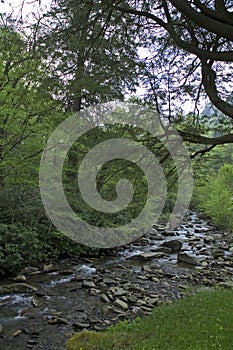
<point>216,197</point>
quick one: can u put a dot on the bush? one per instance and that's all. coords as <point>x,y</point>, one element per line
<point>18,246</point>
<point>216,197</point>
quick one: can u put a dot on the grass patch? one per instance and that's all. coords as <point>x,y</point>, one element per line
<point>200,322</point>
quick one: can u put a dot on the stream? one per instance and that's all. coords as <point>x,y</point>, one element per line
<point>42,307</point>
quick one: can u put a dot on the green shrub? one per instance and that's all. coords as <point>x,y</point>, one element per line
<point>216,197</point>
<point>18,246</point>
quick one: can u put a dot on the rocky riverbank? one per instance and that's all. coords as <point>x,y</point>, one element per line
<point>41,308</point>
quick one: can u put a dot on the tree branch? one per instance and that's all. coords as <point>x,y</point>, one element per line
<point>208,78</point>
<point>220,28</point>
<point>195,138</point>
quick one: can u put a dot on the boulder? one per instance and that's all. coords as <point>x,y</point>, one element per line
<point>20,278</point>
<point>17,288</point>
<point>188,259</point>
<point>173,244</point>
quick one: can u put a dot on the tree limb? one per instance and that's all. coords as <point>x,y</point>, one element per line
<point>222,29</point>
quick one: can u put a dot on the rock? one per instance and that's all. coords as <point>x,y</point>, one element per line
<point>17,288</point>
<point>88,284</point>
<point>80,325</point>
<point>61,320</point>
<point>155,279</point>
<point>119,292</point>
<point>141,302</point>
<point>32,341</point>
<point>169,233</point>
<point>121,304</point>
<point>109,281</point>
<point>1,328</point>
<point>35,302</point>
<point>209,239</point>
<point>146,268</point>
<point>138,311</point>
<point>58,320</point>
<point>132,298</point>
<point>153,232</point>
<point>99,327</point>
<point>173,244</point>
<point>161,249</point>
<point>217,253</point>
<point>18,332</point>
<point>188,259</point>
<point>147,308</point>
<point>49,268</point>
<point>107,322</point>
<point>159,227</point>
<point>151,255</point>
<point>104,298</point>
<point>33,331</point>
<point>66,272</point>
<point>226,284</point>
<point>20,278</point>
<point>105,309</point>
<point>30,270</point>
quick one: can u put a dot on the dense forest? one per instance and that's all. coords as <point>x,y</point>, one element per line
<point>172,57</point>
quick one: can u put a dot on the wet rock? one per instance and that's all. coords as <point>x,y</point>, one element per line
<point>188,259</point>
<point>17,333</point>
<point>158,227</point>
<point>151,255</point>
<point>40,293</point>
<point>17,288</point>
<point>20,278</point>
<point>162,249</point>
<point>88,284</point>
<point>169,233</point>
<point>217,253</point>
<point>209,239</point>
<point>121,304</point>
<point>174,244</point>
<point>66,272</point>
<point>35,302</point>
<point>153,232</point>
<point>5,301</point>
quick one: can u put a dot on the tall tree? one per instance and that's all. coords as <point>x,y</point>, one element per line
<point>92,51</point>
<point>27,112</point>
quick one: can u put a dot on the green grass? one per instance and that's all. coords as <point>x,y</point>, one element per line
<point>200,322</point>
